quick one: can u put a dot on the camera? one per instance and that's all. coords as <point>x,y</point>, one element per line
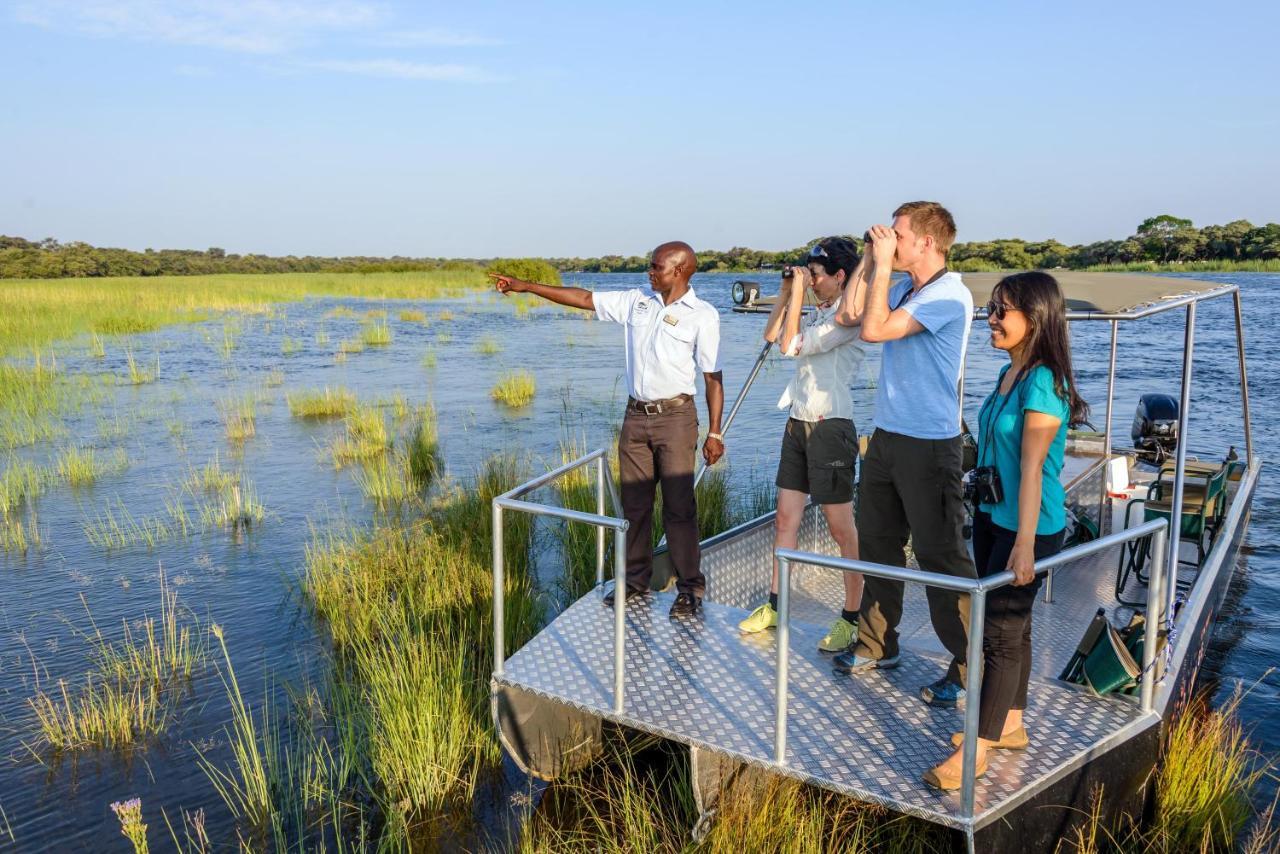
<point>983,486</point>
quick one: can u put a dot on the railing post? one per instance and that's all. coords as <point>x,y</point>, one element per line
<point>972,699</point>
<point>784,648</point>
<point>1244,382</point>
<point>1180,465</point>
<point>499,592</point>
<point>619,615</point>
<point>600,512</point>
<point>1150,631</point>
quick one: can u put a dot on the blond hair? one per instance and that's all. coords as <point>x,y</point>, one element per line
<point>932,220</point>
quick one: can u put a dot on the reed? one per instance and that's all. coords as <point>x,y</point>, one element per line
<point>18,535</point>
<point>364,438</point>
<point>424,459</point>
<point>103,713</point>
<point>239,417</point>
<point>211,478</point>
<point>21,482</point>
<point>445,316</point>
<point>139,375</point>
<point>350,345</point>
<point>236,507</point>
<point>515,388</point>
<point>97,350</point>
<point>323,403</point>
<point>429,359</point>
<point>275,378</point>
<point>375,314</point>
<point>322,337</point>
<point>340,313</point>
<point>83,466</point>
<point>163,653</point>
<point>387,481</point>
<point>411,315</point>
<point>290,346</point>
<point>376,334</point>
<point>488,346</point>
<point>114,528</point>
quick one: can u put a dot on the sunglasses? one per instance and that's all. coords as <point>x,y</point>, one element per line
<point>998,310</point>
<point>818,252</point>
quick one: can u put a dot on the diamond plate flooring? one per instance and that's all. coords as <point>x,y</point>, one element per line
<point>699,681</point>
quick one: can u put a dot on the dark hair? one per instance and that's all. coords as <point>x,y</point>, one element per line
<point>842,254</point>
<point>1038,296</point>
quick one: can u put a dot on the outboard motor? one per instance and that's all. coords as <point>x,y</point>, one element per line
<point>1155,427</point>
<point>745,292</point>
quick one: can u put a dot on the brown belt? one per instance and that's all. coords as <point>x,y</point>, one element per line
<point>657,407</point>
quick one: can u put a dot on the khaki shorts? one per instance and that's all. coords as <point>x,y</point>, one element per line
<point>818,458</point>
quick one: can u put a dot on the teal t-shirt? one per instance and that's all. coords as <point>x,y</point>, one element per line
<point>1000,444</point>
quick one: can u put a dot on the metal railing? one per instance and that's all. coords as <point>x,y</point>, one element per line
<point>977,589</point>
<point>511,501</point>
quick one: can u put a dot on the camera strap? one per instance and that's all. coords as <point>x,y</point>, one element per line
<point>988,426</point>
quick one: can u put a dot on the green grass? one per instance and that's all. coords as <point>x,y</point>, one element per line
<point>350,345</point>
<point>21,482</point>
<point>424,458</point>
<point>239,417</point>
<point>139,375</point>
<point>429,359</point>
<point>290,346</point>
<point>102,713</point>
<point>212,478</point>
<point>411,315</point>
<point>37,312</point>
<point>321,403</point>
<point>376,334</point>
<point>515,388</point>
<point>387,480</point>
<point>322,338</point>
<point>83,466</point>
<point>445,316</point>
<point>236,507</point>
<point>115,527</point>
<point>488,346</point>
<point>364,438</point>
<point>342,312</point>
<point>18,535</point>
<point>97,350</point>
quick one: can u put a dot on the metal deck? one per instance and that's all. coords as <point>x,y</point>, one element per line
<point>701,682</point>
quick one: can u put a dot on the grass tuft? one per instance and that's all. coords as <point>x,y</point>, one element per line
<point>321,403</point>
<point>365,436</point>
<point>515,388</point>
<point>488,346</point>
<point>83,466</point>
<point>139,375</point>
<point>376,334</point>
<point>239,417</point>
<point>411,315</point>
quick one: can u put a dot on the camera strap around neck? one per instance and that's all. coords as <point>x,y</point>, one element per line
<point>989,428</point>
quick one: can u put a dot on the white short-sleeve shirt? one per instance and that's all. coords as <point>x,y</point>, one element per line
<point>666,344</point>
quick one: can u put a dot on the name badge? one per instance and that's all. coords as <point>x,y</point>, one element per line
<point>669,320</point>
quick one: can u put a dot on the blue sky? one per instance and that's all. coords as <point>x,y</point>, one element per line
<point>482,129</point>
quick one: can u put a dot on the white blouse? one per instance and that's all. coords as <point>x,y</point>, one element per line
<point>827,356</point>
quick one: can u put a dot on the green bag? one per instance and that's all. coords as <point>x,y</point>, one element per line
<point>1110,665</point>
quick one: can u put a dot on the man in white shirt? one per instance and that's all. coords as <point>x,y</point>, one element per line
<point>670,334</point>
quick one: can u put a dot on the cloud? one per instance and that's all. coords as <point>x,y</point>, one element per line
<point>401,69</point>
<point>248,26</point>
<point>436,38</point>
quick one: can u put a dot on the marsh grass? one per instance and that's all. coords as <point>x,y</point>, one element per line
<point>515,388</point>
<point>423,446</point>
<point>365,436</point>
<point>235,506</point>
<point>239,417</point>
<point>18,534</point>
<point>375,314</point>
<point>387,480</point>
<point>322,337</point>
<point>115,527</point>
<point>488,346</point>
<point>290,346</point>
<point>341,312</point>
<point>350,345</point>
<point>83,466</point>
<point>275,378</point>
<point>212,478</point>
<point>139,375</point>
<point>21,482</point>
<point>376,334</point>
<point>133,687</point>
<point>429,359</point>
<point>412,315</point>
<point>97,350</point>
<point>323,403</point>
<point>443,338</point>
<point>445,316</point>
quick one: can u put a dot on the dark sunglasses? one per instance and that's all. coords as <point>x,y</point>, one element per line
<point>818,252</point>
<point>998,310</point>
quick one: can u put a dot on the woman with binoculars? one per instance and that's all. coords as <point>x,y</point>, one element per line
<point>1020,514</point>
<point>819,445</point>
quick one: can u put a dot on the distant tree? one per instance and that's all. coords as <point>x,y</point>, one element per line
<point>529,269</point>
<point>1157,234</point>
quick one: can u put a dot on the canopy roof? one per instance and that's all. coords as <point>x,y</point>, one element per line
<point>1108,293</point>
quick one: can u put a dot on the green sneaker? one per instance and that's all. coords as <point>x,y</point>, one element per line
<point>761,618</point>
<point>842,635</point>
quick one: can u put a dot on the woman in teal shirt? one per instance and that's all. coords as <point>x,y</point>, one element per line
<point>1022,437</point>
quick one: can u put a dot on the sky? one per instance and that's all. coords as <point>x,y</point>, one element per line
<point>483,129</point>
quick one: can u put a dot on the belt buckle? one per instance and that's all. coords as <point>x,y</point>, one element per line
<point>653,409</point>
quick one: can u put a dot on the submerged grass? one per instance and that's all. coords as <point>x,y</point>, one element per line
<point>488,346</point>
<point>412,315</point>
<point>321,403</point>
<point>515,388</point>
<point>139,375</point>
<point>364,438</point>
<point>239,417</point>
<point>376,334</point>
<point>83,466</point>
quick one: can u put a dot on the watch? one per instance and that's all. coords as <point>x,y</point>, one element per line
<point>715,436</point>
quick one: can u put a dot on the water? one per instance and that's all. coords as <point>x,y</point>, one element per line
<point>248,583</point>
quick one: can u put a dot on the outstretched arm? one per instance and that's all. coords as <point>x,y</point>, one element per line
<point>571,297</point>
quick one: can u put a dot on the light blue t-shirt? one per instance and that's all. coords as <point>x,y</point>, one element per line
<point>1000,444</point>
<point>919,374</point>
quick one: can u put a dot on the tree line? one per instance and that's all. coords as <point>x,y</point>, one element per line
<point>1159,241</point>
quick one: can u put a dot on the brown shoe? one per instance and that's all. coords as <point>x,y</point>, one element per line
<point>1016,740</point>
<point>940,779</point>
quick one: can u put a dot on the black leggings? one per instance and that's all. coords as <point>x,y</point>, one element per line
<point>1006,640</point>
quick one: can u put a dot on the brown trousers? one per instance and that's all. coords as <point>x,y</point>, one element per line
<point>911,488</point>
<point>655,449</point>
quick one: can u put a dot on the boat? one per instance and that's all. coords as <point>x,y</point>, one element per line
<point>747,299</point>
<point>751,707</point>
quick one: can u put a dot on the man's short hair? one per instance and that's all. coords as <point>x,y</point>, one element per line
<point>932,219</point>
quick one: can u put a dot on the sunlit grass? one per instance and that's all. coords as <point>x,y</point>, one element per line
<point>350,345</point>
<point>387,480</point>
<point>375,314</point>
<point>18,535</point>
<point>488,346</point>
<point>424,447</point>
<point>103,713</point>
<point>341,312</point>
<point>21,481</point>
<point>139,375</point>
<point>97,350</point>
<point>83,466</point>
<point>445,316</point>
<point>322,337</point>
<point>162,652</point>
<point>429,358</point>
<point>321,403</point>
<point>239,417</point>
<point>290,346</point>
<point>376,334</point>
<point>515,388</point>
<point>235,506</point>
<point>212,478</point>
<point>275,378</point>
<point>115,527</point>
<point>412,315</point>
<point>365,436</point>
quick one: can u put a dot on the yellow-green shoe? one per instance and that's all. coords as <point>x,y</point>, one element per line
<point>761,618</point>
<point>843,633</point>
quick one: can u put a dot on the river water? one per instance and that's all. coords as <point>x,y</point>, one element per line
<point>248,583</point>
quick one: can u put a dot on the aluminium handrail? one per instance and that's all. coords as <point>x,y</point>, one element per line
<point>977,588</point>
<point>509,500</point>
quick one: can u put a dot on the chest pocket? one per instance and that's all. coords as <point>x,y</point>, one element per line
<point>641,316</point>
<point>675,342</point>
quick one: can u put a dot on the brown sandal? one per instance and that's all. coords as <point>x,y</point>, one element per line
<point>1016,740</point>
<point>947,783</point>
